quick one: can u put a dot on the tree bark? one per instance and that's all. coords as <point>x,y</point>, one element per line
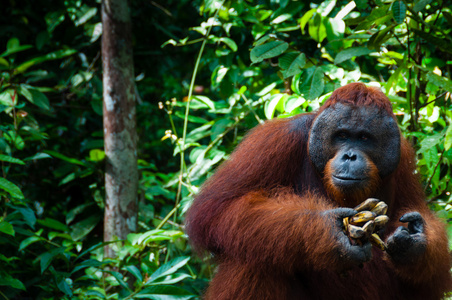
<point>120,137</point>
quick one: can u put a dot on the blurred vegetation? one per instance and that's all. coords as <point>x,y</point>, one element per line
<point>239,62</point>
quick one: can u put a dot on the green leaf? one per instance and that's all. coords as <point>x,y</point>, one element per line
<point>7,280</point>
<point>163,292</point>
<point>430,142</point>
<point>350,53</point>
<point>317,84</point>
<point>268,50</point>
<point>380,37</point>
<point>11,159</point>
<point>37,156</point>
<point>13,46</point>
<point>82,228</point>
<point>306,17</point>
<point>12,43</point>
<point>171,279</point>
<point>334,29</point>
<point>6,97</point>
<point>86,16</point>
<point>442,43</point>
<point>28,214</point>
<point>448,138</point>
<point>96,32</point>
<point>439,81</point>
<point>231,44</point>
<point>420,5</point>
<point>399,11</point>
<point>293,102</point>
<point>64,287</point>
<point>47,258</point>
<point>11,188</point>
<point>378,15</point>
<point>193,119</point>
<point>65,158</point>
<point>7,228</point>
<point>292,63</point>
<point>317,28</point>
<point>50,56</point>
<point>448,16</point>
<point>54,224</point>
<point>34,96</point>
<point>4,62</point>
<point>96,155</point>
<point>28,241</point>
<point>272,104</point>
<point>169,268</point>
<point>205,100</point>
<point>135,272</point>
<point>119,278</point>
<point>326,7</point>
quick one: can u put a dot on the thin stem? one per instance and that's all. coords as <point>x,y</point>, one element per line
<point>434,170</point>
<point>4,296</point>
<point>187,110</point>
<point>252,109</point>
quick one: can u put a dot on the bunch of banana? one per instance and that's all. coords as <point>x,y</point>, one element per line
<point>371,217</point>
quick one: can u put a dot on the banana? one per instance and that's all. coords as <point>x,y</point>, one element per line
<point>380,221</point>
<point>377,241</point>
<point>380,209</point>
<point>355,232</point>
<point>362,217</point>
<point>371,216</point>
<point>369,227</point>
<point>369,204</point>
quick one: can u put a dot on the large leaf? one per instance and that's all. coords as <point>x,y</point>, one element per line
<point>440,81</point>
<point>47,258</point>
<point>443,44</point>
<point>305,19</point>
<point>7,228</point>
<point>34,96</point>
<point>420,4</point>
<point>50,56</point>
<point>11,188</point>
<point>65,158</point>
<point>169,268</point>
<point>448,138</point>
<point>317,28</point>
<point>275,101</point>
<point>11,160</point>
<point>350,53</point>
<point>399,11</point>
<point>268,50</point>
<point>7,280</point>
<point>82,228</point>
<point>292,63</point>
<point>317,84</point>
<point>164,293</point>
<point>380,37</point>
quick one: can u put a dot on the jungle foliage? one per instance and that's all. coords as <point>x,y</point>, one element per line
<point>206,72</point>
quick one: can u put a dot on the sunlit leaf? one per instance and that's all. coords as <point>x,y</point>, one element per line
<point>11,188</point>
<point>399,11</point>
<point>6,228</point>
<point>448,138</point>
<point>292,63</point>
<point>350,53</point>
<point>169,268</point>
<point>268,50</point>
<point>420,4</point>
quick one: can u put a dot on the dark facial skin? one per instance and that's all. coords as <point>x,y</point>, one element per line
<point>356,139</point>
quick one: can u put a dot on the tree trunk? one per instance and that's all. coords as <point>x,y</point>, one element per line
<point>120,137</point>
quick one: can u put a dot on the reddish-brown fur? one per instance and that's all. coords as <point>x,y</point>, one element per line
<point>259,216</point>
